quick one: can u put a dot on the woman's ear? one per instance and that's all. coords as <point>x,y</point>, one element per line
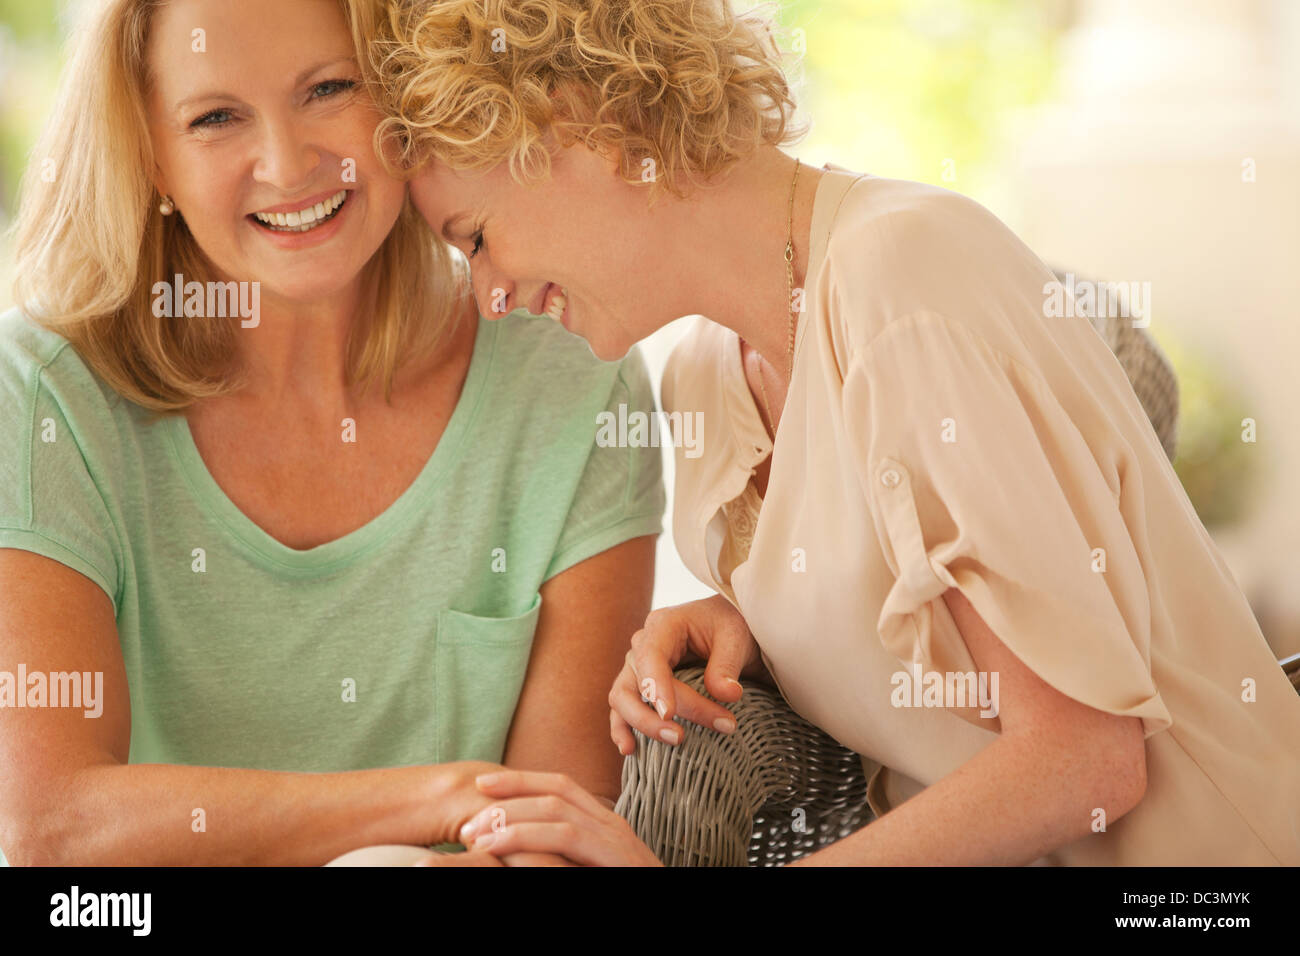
<point>571,156</point>
<point>159,181</point>
<point>565,135</point>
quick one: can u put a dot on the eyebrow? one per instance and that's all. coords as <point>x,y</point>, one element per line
<point>297,81</point>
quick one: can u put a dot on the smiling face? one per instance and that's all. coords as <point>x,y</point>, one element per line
<point>583,237</point>
<point>263,139</point>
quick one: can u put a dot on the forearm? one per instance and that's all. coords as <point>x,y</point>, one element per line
<point>1016,800</point>
<point>589,612</point>
<point>162,814</point>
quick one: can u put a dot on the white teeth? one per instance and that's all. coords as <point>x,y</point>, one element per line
<point>555,308</point>
<point>305,219</point>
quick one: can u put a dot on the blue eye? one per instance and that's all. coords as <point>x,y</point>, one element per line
<point>207,121</point>
<point>341,86</point>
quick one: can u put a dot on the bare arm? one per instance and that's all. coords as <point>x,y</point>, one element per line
<point>589,613</point>
<point>1033,789</point>
<point>68,796</point>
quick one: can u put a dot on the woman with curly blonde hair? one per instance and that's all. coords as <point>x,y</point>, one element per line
<point>909,468</point>
<point>299,612</point>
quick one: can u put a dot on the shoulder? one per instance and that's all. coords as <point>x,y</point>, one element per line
<point>892,219</point>
<point>58,419</point>
<point>38,364</point>
<point>552,371</point>
<point>25,347</point>
<point>897,247</point>
<point>878,201</point>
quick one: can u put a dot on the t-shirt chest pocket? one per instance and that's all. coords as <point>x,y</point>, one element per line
<point>479,672</point>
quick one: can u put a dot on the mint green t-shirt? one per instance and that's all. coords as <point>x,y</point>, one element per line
<point>404,642</point>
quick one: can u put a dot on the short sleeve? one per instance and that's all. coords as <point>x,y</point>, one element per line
<point>978,479</point>
<point>621,493</point>
<point>50,501</point>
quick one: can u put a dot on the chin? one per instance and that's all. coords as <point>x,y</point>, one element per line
<point>606,342</point>
<point>317,286</point>
<point>606,351</point>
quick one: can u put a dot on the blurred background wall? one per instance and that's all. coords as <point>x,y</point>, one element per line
<point>1127,140</point>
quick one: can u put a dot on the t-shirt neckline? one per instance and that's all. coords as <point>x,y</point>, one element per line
<point>333,554</point>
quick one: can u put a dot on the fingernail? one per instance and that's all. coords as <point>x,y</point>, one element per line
<point>661,707</point>
<point>467,832</point>
<point>486,839</point>
<point>670,736</point>
<point>724,725</point>
<point>487,779</point>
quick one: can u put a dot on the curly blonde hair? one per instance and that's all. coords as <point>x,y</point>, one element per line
<point>677,89</point>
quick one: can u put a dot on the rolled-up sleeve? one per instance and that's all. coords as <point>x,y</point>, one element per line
<point>978,479</point>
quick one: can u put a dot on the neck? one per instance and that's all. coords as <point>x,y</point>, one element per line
<point>298,352</point>
<point>733,264</point>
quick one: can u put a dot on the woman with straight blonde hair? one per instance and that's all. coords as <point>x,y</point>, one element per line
<point>298,615</point>
<point>913,468</point>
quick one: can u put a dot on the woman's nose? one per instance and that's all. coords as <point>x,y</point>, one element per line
<point>286,161</point>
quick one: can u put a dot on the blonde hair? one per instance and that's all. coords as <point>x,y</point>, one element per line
<point>686,84</point>
<point>91,244</point>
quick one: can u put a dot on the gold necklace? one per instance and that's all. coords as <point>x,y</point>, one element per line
<point>789,277</point>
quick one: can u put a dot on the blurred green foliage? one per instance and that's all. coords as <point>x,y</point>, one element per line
<point>30,21</point>
<point>898,87</point>
<point>1218,470</point>
<point>30,56</point>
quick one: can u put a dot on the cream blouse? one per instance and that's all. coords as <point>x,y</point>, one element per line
<point>941,431</point>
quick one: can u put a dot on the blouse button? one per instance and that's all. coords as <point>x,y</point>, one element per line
<point>890,478</point>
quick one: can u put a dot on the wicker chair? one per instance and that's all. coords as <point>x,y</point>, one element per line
<point>778,787</point>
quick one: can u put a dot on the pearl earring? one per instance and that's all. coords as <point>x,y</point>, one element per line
<point>167,207</point>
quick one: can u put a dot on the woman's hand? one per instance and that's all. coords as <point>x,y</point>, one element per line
<point>547,813</point>
<point>456,799</point>
<point>461,799</point>
<point>645,694</point>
